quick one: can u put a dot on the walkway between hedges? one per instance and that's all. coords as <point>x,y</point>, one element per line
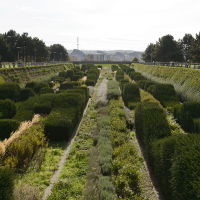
<point>63,158</point>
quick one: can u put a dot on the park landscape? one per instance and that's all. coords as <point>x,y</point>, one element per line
<point>126,132</point>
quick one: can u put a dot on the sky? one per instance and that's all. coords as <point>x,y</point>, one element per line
<point>101,24</point>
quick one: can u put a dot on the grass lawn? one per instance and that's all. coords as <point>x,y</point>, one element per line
<point>106,65</point>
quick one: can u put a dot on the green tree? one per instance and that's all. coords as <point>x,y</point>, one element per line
<point>147,56</point>
<point>135,59</point>
<point>195,49</point>
<point>167,49</point>
<point>59,52</point>
<point>5,51</point>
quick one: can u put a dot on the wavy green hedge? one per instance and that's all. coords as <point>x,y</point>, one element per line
<point>185,81</point>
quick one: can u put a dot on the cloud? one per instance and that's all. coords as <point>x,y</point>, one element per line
<point>44,18</point>
<point>25,8</point>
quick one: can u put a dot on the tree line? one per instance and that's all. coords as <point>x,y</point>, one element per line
<point>29,49</point>
<point>167,49</point>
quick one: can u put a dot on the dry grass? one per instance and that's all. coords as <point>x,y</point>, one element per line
<point>84,78</point>
<point>14,135</point>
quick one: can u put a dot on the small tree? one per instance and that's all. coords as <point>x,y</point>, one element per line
<point>135,59</point>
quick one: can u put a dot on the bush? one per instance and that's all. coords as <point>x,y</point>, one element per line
<point>113,91</point>
<point>42,109</point>
<point>114,68</point>
<point>139,77</point>
<point>141,83</point>
<point>6,183</point>
<point>80,74</point>
<point>166,94</point>
<point>75,83</point>
<point>76,77</point>
<point>123,82</point>
<point>120,73</point>
<point>128,71</point>
<point>7,126</point>
<point>62,74</point>
<point>37,87</point>
<point>89,82</point>
<point>51,84</point>
<point>147,84</point>
<point>131,93</point>
<point>133,74</point>
<point>66,86</point>
<point>59,79</point>
<point>46,90</point>
<point>30,84</point>
<point>92,77</point>
<point>1,80</point>
<point>70,73</point>
<point>25,93</point>
<point>86,90</point>
<point>151,89</point>
<point>7,109</point>
<point>150,123</point>
<point>9,91</point>
<point>119,77</point>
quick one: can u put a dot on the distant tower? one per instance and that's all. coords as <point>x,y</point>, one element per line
<point>77,43</point>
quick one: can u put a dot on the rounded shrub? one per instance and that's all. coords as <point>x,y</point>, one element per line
<point>89,82</point>
<point>51,84</point>
<point>1,80</point>
<point>25,93</point>
<point>37,87</point>
<point>7,109</point>
<point>9,91</point>
<point>76,77</point>
<point>62,74</point>
<point>70,73</point>
<point>30,84</point>
<point>59,79</point>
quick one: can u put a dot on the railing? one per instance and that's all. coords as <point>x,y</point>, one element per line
<point>26,64</point>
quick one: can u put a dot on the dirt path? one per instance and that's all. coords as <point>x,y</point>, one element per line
<point>63,158</point>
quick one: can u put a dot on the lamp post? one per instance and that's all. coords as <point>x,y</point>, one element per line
<point>35,54</point>
<point>18,52</point>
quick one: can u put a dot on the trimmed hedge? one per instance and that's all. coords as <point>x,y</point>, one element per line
<point>64,86</point>
<point>86,90</point>
<point>128,71</point>
<point>76,77</point>
<point>59,79</point>
<point>70,73</point>
<point>113,91</point>
<point>51,84</point>
<point>139,77</point>
<point>150,123</point>
<point>42,109</point>
<point>92,77</point>
<point>37,87</point>
<point>119,77</point>
<point>7,126</point>
<point>89,82</point>
<point>25,93</point>
<point>62,74</point>
<point>75,83</point>
<point>114,68</point>
<point>141,83</point>
<point>7,109</point>
<point>46,90</point>
<point>6,183</point>
<point>166,94</point>
<point>130,93</point>
<point>1,80</point>
<point>147,84</point>
<point>9,91</point>
<point>30,84</point>
<point>133,74</point>
<point>80,74</point>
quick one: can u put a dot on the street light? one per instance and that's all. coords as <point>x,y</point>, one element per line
<point>18,52</point>
<point>35,54</point>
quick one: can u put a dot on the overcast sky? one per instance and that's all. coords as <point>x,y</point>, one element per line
<point>101,24</point>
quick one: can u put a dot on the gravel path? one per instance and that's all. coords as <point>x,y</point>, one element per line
<point>63,158</point>
<point>102,89</point>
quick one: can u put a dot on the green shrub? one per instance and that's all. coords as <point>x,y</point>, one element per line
<point>139,77</point>
<point>7,109</point>
<point>120,73</point>
<point>114,68</point>
<point>30,84</point>
<point>89,82</point>
<point>92,77</point>
<point>80,74</point>
<point>166,94</point>
<point>133,74</point>
<point>64,86</point>
<point>42,109</point>
<point>128,71</point>
<point>119,77</point>
<point>131,93</point>
<point>25,93</point>
<point>51,84</point>
<point>113,93</point>
<point>59,79</point>
<point>86,90</point>
<point>46,90</point>
<point>147,84</point>
<point>75,83</point>
<point>151,89</point>
<point>141,83</point>
<point>76,77</point>
<point>37,87</point>
<point>62,74</point>
<point>150,123</point>
<point>123,82</point>
<point>70,73</point>
<point>6,183</point>
<point>9,91</point>
<point>1,80</point>
<point>7,126</point>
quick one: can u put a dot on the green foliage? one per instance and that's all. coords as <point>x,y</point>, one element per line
<point>92,76</point>
<point>9,91</point>
<point>133,74</point>
<point>51,84</point>
<point>69,85</point>
<point>70,73</point>
<point>30,84</point>
<point>1,80</point>
<point>166,94</point>
<point>62,74</point>
<point>139,77</point>
<point>80,74</point>
<point>131,93</point>
<point>59,79</point>
<point>142,83</point>
<point>147,84</point>
<point>7,109</point>
<point>46,90</point>
<point>90,82</point>
<point>150,123</point>
<point>37,87</point>
<point>119,77</point>
<point>113,91</point>
<point>42,109</point>
<point>114,68</point>
<point>76,83</point>
<point>76,77</point>
<point>8,126</point>
<point>25,93</point>
<point>86,90</point>
<point>6,183</point>
<point>135,59</point>
<point>151,89</point>
<point>128,71</point>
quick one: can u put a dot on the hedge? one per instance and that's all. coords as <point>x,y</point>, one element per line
<point>6,183</point>
<point>86,90</point>
<point>62,74</point>
<point>113,91</point>
<point>70,73</point>
<point>147,84</point>
<point>37,87</point>
<point>76,77</point>
<point>46,90</point>
<point>120,73</point>
<point>30,84</point>
<point>7,109</point>
<point>51,84</point>
<point>150,123</point>
<point>131,93</point>
<point>25,93</point>
<point>9,91</point>
<point>142,83</point>
<point>69,85</point>
<point>1,80</point>
<point>128,71</point>
<point>114,68</point>
<point>166,94</point>
<point>133,74</point>
<point>76,83</point>
<point>119,77</point>
<point>80,74</point>
<point>92,77</point>
<point>59,79</point>
<point>89,82</point>
<point>7,126</point>
<point>42,109</point>
<point>139,77</point>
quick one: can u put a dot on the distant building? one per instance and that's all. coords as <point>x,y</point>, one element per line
<point>97,56</point>
<point>119,57</point>
<point>77,55</point>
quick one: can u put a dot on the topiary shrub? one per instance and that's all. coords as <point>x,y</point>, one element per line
<point>37,87</point>
<point>80,74</point>
<point>70,73</point>
<point>147,84</point>
<point>76,77</point>
<point>65,86</point>
<point>133,74</point>
<point>86,90</point>
<point>25,93</point>
<point>7,126</point>
<point>6,183</point>
<point>46,90</point>
<point>75,83</point>
<point>1,80</point>
<point>89,82</point>
<point>92,77</point>
<point>62,74</point>
<point>150,123</point>
<point>128,71</point>
<point>141,83</point>
<point>30,84</point>
<point>42,109</point>
<point>139,77</point>
<point>59,79</point>
<point>51,84</point>
<point>114,68</point>
<point>150,89</point>
<point>9,91</point>
<point>119,78</point>
<point>7,109</point>
<point>131,93</point>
